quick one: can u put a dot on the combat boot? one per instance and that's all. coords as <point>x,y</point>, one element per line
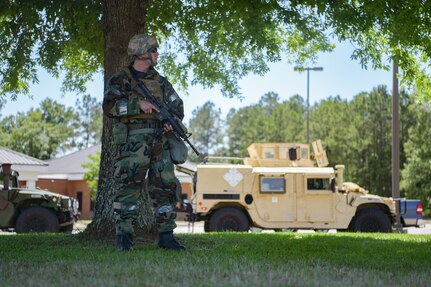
<point>167,241</point>
<point>124,242</point>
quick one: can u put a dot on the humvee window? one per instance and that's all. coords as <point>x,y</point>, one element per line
<point>272,185</point>
<point>304,153</point>
<point>269,154</point>
<point>318,184</point>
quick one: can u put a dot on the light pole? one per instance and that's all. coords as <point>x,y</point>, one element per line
<point>308,69</point>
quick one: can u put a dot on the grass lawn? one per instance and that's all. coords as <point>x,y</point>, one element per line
<point>220,259</point>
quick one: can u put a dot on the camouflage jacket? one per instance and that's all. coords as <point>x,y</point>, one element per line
<point>122,82</point>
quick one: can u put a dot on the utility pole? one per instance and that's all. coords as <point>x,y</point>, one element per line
<point>396,145</point>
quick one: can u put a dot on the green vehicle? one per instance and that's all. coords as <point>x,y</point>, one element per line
<point>33,210</point>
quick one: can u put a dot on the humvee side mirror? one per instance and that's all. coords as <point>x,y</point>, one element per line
<point>332,183</point>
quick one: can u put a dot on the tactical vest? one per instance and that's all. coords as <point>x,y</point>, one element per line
<point>152,84</point>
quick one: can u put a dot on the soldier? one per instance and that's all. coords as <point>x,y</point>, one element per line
<point>142,146</point>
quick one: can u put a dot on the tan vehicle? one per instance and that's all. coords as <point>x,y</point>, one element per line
<point>281,186</point>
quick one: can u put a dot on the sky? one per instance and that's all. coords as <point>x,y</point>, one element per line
<point>340,76</point>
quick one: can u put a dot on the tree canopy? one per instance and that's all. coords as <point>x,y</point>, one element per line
<point>417,171</point>
<point>41,132</point>
<point>52,128</point>
<point>213,42</point>
<point>59,36</point>
<point>207,128</point>
<point>90,118</point>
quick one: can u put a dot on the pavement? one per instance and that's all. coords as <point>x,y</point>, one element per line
<point>414,230</point>
<point>198,227</point>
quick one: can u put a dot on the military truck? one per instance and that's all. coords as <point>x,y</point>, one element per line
<point>31,210</point>
<point>282,186</point>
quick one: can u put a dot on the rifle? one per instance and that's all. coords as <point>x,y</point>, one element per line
<point>179,130</point>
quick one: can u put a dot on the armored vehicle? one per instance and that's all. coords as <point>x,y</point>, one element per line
<point>282,186</point>
<point>32,210</point>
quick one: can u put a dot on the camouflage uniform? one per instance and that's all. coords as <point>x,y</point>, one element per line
<point>140,150</point>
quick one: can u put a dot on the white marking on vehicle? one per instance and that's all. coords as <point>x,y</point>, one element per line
<point>233,177</point>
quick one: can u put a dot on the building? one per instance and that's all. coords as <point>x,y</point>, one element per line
<point>65,175</point>
<point>28,167</point>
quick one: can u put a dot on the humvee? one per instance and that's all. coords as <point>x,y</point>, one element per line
<point>280,186</point>
<point>32,210</point>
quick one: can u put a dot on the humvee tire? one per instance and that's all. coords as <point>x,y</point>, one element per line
<point>37,219</point>
<point>372,220</point>
<point>206,226</point>
<point>228,219</point>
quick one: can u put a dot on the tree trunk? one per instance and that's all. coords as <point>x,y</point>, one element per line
<point>117,29</point>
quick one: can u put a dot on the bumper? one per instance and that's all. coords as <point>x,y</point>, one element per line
<point>68,217</point>
<point>414,222</point>
<point>67,223</point>
<point>421,223</point>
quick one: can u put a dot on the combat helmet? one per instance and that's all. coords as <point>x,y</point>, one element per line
<point>141,43</point>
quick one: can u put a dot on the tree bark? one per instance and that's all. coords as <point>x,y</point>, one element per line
<point>121,20</point>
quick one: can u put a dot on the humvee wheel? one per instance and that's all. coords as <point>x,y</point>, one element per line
<point>372,220</point>
<point>37,219</point>
<point>206,226</point>
<point>229,219</point>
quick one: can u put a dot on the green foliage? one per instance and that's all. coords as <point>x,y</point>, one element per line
<point>206,126</point>
<point>220,41</point>
<point>60,36</point>
<point>245,126</point>
<point>371,141</point>
<point>417,171</point>
<point>52,128</point>
<point>287,121</point>
<point>90,121</point>
<point>220,259</point>
<point>92,174</point>
<point>398,30</point>
<point>214,37</point>
<point>362,138</point>
<point>331,121</point>
<point>267,121</point>
<point>41,132</point>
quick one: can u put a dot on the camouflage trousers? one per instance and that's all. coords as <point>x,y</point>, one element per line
<point>144,153</point>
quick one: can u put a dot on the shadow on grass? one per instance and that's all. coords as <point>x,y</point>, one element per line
<point>384,252</point>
